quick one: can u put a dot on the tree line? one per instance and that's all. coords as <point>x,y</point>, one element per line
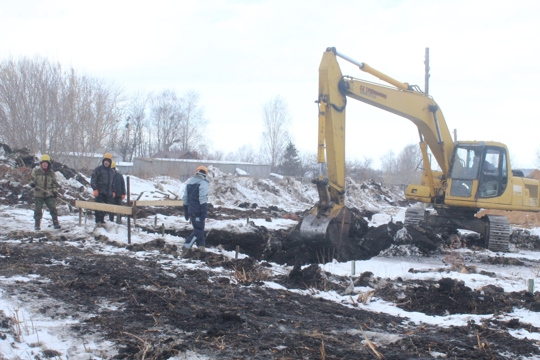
<point>46,108</point>
<point>49,109</point>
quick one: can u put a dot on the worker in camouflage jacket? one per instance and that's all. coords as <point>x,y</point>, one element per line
<point>120,186</point>
<point>102,183</point>
<point>43,180</point>
<point>195,201</point>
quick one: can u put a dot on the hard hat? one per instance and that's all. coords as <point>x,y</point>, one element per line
<point>108,156</point>
<point>113,165</point>
<point>45,157</point>
<point>201,168</point>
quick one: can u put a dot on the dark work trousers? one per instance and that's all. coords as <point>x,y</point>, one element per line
<point>105,199</point>
<point>116,201</point>
<point>197,220</point>
<point>38,208</point>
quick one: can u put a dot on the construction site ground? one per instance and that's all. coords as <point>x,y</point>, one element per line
<point>145,300</point>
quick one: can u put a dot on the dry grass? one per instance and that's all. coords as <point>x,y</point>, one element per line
<point>253,275</point>
<point>372,346</point>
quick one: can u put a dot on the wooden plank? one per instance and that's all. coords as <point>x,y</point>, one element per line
<point>117,209</point>
<point>158,203</point>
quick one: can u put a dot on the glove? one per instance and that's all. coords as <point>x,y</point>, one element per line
<point>123,196</point>
<point>96,192</point>
<point>186,213</point>
<point>33,185</point>
<point>55,195</point>
<point>113,195</point>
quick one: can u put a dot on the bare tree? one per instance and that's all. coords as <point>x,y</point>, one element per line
<point>275,136</point>
<point>215,155</point>
<point>310,164</point>
<point>194,123</point>
<point>178,122</point>
<point>166,118</point>
<point>48,110</point>
<point>361,170</point>
<point>389,167</point>
<point>25,118</point>
<point>403,168</point>
<point>132,139</point>
<point>409,162</point>
<point>96,113</point>
<point>246,153</point>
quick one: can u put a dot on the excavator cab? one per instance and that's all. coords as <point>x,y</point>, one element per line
<point>478,171</point>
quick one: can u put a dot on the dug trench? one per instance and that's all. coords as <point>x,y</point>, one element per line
<point>152,307</point>
<point>289,247</point>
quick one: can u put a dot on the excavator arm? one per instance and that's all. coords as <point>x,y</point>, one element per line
<point>400,99</point>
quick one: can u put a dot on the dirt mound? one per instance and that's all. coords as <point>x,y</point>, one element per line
<point>449,296</point>
<point>15,170</point>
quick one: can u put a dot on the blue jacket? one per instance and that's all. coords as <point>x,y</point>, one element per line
<point>196,194</point>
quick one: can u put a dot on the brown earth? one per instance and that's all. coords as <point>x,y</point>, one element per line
<point>164,310</point>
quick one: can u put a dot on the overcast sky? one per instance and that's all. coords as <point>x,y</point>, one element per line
<point>238,55</point>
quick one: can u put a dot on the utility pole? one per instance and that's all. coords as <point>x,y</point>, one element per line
<point>426,63</point>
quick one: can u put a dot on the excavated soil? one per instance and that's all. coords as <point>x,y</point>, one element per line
<point>156,310</point>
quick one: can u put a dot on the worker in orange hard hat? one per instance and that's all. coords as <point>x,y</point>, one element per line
<point>102,182</point>
<point>195,200</point>
<point>120,186</point>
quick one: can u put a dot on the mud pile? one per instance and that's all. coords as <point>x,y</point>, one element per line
<point>15,170</point>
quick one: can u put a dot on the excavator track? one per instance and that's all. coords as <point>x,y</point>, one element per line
<point>498,233</point>
<point>414,216</point>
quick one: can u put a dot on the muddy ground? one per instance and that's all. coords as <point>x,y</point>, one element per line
<point>153,308</point>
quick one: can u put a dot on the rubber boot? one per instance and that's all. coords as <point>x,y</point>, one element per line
<point>56,224</point>
<point>38,224</point>
<point>119,219</point>
<point>202,248</point>
<point>189,243</point>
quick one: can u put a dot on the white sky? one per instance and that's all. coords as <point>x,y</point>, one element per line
<point>238,55</point>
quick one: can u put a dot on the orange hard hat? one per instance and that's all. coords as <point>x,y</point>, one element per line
<point>201,168</point>
<point>108,156</point>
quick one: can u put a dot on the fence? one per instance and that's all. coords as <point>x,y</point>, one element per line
<point>182,169</point>
<point>177,168</point>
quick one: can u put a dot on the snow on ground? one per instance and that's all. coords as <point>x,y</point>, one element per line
<point>37,332</point>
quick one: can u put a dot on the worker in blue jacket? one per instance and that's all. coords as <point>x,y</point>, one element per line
<point>195,200</point>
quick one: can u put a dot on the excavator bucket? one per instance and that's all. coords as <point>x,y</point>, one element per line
<point>314,227</point>
<point>328,232</point>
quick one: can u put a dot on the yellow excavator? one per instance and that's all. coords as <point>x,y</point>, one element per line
<point>471,175</point>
